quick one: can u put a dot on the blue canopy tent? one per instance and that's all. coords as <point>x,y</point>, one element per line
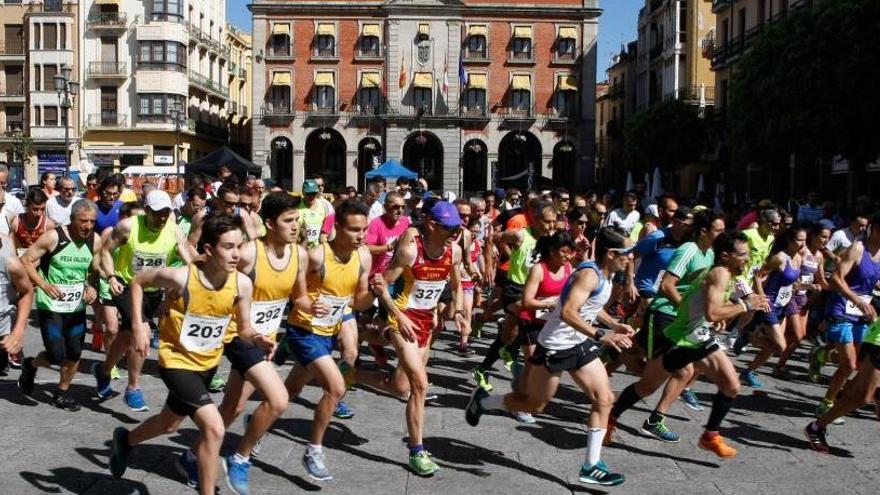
<point>392,169</point>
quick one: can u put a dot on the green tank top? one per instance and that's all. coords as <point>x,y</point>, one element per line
<point>872,336</point>
<point>66,267</point>
<point>311,222</point>
<point>523,258</point>
<point>690,328</point>
<point>145,249</point>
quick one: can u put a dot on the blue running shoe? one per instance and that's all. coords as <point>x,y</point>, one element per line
<point>134,399</point>
<point>690,399</point>
<point>236,474</point>
<point>189,469</point>
<point>750,379</point>
<point>342,411</point>
<point>524,418</point>
<point>102,382</point>
<point>316,465</point>
<point>659,431</point>
<point>599,475</point>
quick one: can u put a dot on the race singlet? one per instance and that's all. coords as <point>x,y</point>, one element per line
<point>266,315</point>
<point>425,294</point>
<point>203,333</point>
<point>71,297</point>
<point>337,309</point>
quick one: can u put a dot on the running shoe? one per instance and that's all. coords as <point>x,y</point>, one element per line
<point>477,328</point>
<point>659,431</point>
<point>119,450</point>
<point>524,418</point>
<point>742,340</point>
<point>258,447</point>
<point>61,400</point>
<point>154,341</point>
<point>422,464</point>
<point>217,385</point>
<point>482,379</point>
<point>824,407</point>
<point>27,377</point>
<point>316,465</point>
<point>750,379</point>
<point>609,431</point>
<point>134,399</point>
<point>189,469</point>
<point>731,338</point>
<point>236,474</point>
<point>817,361</point>
<point>465,351</point>
<point>15,360</point>
<point>474,408</point>
<point>506,356</point>
<point>717,446</point>
<point>102,383</point>
<point>599,475</point>
<point>342,411</point>
<point>816,438</point>
<point>690,399</point>
<point>114,373</point>
<point>430,396</point>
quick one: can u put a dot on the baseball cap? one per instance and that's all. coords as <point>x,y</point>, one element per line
<point>158,200</point>
<point>446,214</point>
<point>310,187</point>
<point>652,211</point>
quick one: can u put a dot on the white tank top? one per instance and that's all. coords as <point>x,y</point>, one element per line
<point>558,335</point>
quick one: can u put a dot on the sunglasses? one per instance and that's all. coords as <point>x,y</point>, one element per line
<point>65,189</point>
<point>245,205</point>
<point>91,185</point>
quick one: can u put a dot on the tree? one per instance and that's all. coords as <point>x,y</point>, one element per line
<point>23,148</point>
<point>667,135</point>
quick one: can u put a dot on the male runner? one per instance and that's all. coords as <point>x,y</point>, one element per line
<point>210,293</point>
<point>145,242</point>
<point>760,241</point>
<point>16,297</point>
<point>62,265</point>
<point>29,226</point>
<point>312,216</point>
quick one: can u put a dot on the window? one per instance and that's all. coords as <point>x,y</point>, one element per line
<point>37,35</point>
<point>14,80</point>
<point>62,39</point>
<point>521,45</point>
<point>422,99</point>
<point>50,36</point>
<point>369,46</point>
<point>38,74</point>
<point>171,53</point>
<point>565,48</point>
<point>368,95</point>
<point>565,98</point>
<point>280,41</point>
<point>162,55</point>
<point>476,46</point>
<point>325,98</point>
<point>682,22</point>
<point>156,108</point>
<point>168,10</point>
<point>49,72</point>
<point>475,101</point>
<point>14,38</point>
<point>521,100</point>
<point>742,22</point>
<point>325,46</point>
<point>14,119</point>
<point>38,116</point>
<point>50,116</point>
<point>279,98</point>
<point>108,105</point>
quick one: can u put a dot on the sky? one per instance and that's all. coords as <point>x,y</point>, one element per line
<point>617,25</point>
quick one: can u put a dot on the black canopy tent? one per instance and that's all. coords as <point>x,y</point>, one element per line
<point>211,163</point>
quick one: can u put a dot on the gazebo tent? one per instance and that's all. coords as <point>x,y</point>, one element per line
<point>392,169</point>
<point>210,164</point>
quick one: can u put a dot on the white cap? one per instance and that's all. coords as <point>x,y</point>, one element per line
<point>652,211</point>
<point>449,196</point>
<point>158,200</point>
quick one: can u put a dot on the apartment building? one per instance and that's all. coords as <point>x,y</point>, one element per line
<point>154,81</point>
<point>470,94</point>
<point>13,93</point>
<point>239,70</point>
<point>615,104</point>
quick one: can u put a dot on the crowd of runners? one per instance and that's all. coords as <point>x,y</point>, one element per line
<point>574,284</point>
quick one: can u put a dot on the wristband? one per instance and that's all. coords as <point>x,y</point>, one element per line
<point>598,334</point>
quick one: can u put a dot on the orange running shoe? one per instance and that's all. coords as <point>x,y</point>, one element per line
<point>716,445</point>
<point>609,431</point>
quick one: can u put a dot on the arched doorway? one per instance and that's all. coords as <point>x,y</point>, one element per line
<point>281,162</point>
<point>473,162</point>
<point>325,154</point>
<point>423,154</point>
<point>519,161</point>
<point>564,165</point>
<point>369,157</point>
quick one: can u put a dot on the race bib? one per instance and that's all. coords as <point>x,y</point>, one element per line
<point>203,333</point>
<point>141,261</point>
<point>425,294</point>
<point>806,279</point>
<point>783,296</point>
<point>70,300</point>
<point>313,233</point>
<point>702,334</point>
<point>853,310</point>
<point>532,259</point>
<point>544,314</point>
<point>266,316</point>
<point>337,309</point>
<point>659,280</point>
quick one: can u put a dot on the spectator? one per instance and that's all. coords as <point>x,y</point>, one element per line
<point>811,211</point>
<point>58,207</point>
<point>47,182</point>
<point>626,216</point>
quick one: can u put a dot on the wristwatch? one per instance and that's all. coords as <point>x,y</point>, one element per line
<point>599,334</point>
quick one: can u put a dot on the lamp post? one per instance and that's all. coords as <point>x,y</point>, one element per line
<point>178,117</point>
<point>67,91</point>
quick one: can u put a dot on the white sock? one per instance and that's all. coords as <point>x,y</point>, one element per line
<point>190,456</point>
<point>493,403</point>
<point>594,445</point>
<point>314,449</point>
<point>240,458</point>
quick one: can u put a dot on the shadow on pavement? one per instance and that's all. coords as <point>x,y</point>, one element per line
<point>76,481</point>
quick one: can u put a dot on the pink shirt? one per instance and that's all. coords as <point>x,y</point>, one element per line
<point>378,234</point>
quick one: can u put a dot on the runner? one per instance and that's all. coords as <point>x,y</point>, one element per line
<point>426,262</point>
<point>62,264</point>
<point>16,297</point>
<point>470,276</point>
<point>312,214</point>
<point>689,339</point>
<point>144,242</point>
<point>30,225</point>
<point>849,309</point>
<point>571,342</point>
<point>336,278</point>
<point>210,293</point>
<point>108,204</point>
<point>781,274</point>
<point>58,207</point>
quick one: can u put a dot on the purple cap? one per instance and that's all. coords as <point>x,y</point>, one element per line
<point>446,214</point>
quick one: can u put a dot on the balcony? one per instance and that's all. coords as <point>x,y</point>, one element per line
<point>277,113</point>
<point>325,54</point>
<point>562,116</point>
<point>282,52</point>
<point>50,132</point>
<point>106,120</point>
<point>207,85</point>
<point>615,89</point>
<point>655,52</point>
<point>214,131</point>
<point>108,21</point>
<point>151,118</point>
<point>522,57</point>
<point>108,70</point>
<point>50,6</point>
<point>12,52</point>
<point>370,53</point>
<point>12,92</point>
<point>13,128</point>
<point>475,56</point>
<point>719,5</point>
<point>564,58</point>
<point>516,115</point>
<point>233,108</point>
<point>697,95</point>
<point>476,116</point>
<point>321,116</point>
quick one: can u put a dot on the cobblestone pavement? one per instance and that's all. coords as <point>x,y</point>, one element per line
<point>53,451</point>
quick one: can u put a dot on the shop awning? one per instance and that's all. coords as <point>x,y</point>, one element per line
<point>281,79</point>
<point>522,32</point>
<point>326,29</point>
<point>477,81</point>
<point>568,33</point>
<point>370,30</point>
<point>116,150</point>
<point>423,80</point>
<point>281,29</point>
<point>370,80</point>
<point>478,30</point>
<point>106,2</point>
<point>521,82</point>
<point>325,79</point>
<point>567,83</point>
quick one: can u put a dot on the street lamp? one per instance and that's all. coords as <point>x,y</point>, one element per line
<point>178,118</point>
<point>67,91</point>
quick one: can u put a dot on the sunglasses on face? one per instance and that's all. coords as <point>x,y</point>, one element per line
<point>91,185</point>
<point>66,189</point>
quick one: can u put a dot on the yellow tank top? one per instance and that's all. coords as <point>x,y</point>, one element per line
<point>192,334</point>
<point>336,288</point>
<point>272,290</point>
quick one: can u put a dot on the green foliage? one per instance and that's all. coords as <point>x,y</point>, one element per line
<point>667,134</point>
<point>809,85</point>
<point>23,147</point>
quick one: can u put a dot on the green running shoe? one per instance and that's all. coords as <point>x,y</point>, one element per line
<point>114,373</point>
<point>422,464</point>
<point>507,357</point>
<point>817,360</point>
<point>824,407</point>
<point>481,379</point>
<point>217,384</point>
<point>477,328</point>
